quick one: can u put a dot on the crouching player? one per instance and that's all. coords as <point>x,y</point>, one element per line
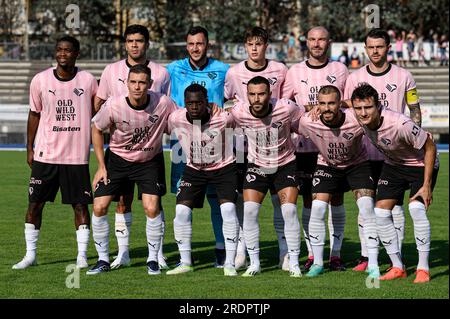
<point>208,146</point>
<point>410,163</point>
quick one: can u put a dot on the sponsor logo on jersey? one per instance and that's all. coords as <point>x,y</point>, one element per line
<point>121,80</point>
<point>52,92</point>
<point>304,81</point>
<point>78,92</point>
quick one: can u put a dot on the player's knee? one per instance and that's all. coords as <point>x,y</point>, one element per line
<point>151,210</point>
<point>99,208</point>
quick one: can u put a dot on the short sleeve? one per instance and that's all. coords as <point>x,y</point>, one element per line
<point>103,91</point>
<point>35,95</point>
<point>104,119</point>
<point>412,134</point>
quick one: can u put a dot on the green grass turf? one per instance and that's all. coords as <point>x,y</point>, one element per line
<point>57,250</point>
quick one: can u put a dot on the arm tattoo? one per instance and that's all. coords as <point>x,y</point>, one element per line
<point>363,192</point>
<point>415,114</point>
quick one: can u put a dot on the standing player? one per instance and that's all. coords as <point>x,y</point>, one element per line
<point>396,89</point>
<point>209,73</point>
<point>137,122</point>
<point>256,43</point>
<point>61,104</point>
<point>410,156</point>
<point>113,82</point>
<point>342,164</point>
<point>210,160</point>
<point>267,123</point>
<point>303,82</point>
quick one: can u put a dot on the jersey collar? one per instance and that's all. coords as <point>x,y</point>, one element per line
<point>139,107</point>
<point>194,68</point>
<point>256,70</point>
<point>204,120</point>
<point>129,65</point>
<point>378,74</point>
<point>316,66</point>
<point>65,80</point>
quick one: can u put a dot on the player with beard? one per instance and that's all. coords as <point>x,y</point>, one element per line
<point>209,73</point>
<point>397,90</point>
<point>303,82</point>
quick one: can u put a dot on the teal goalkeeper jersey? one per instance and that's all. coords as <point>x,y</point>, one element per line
<point>211,76</point>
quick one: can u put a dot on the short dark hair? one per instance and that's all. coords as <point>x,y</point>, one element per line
<point>136,28</point>
<point>196,88</point>
<point>256,32</point>
<point>198,29</point>
<point>259,80</point>
<point>378,34</point>
<point>70,39</point>
<point>141,68</point>
<point>363,91</point>
<point>328,89</point>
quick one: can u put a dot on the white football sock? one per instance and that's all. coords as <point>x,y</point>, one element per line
<point>398,216</point>
<point>230,229</point>
<point>291,231</point>
<point>317,232</point>
<point>241,248</point>
<point>278,224</point>
<point>336,225</point>
<point>388,236</point>
<point>31,238</point>
<point>122,231</point>
<point>251,231</point>
<point>422,232</point>
<point>100,234</point>
<point>182,227</point>
<point>163,228</point>
<point>367,212</point>
<point>362,239</point>
<point>306,215</point>
<point>154,233</point>
<point>83,233</point>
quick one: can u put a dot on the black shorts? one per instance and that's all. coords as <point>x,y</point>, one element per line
<point>306,165</point>
<point>259,179</point>
<point>395,180</point>
<point>127,188</point>
<point>46,179</point>
<point>194,183</point>
<point>121,171</point>
<point>331,180</point>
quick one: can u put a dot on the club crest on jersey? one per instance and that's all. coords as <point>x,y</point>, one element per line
<point>391,87</point>
<point>272,81</point>
<point>331,79</point>
<point>348,136</point>
<point>78,92</point>
<point>277,125</point>
<point>153,118</point>
<point>212,75</point>
<point>386,141</point>
<point>315,181</point>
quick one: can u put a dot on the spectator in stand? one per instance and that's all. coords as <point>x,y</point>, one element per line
<point>443,46</point>
<point>291,47</point>
<point>355,60</point>
<point>435,46</point>
<point>411,39</point>
<point>303,47</point>
<point>399,48</point>
<point>343,58</point>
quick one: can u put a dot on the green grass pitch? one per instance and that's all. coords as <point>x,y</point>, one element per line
<point>57,250</point>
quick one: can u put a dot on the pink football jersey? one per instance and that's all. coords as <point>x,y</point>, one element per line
<point>65,107</point>
<point>391,86</point>
<point>239,74</point>
<point>339,147</point>
<point>400,139</point>
<point>269,138</point>
<point>136,135</point>
<point>113,81</point>
<point>303,82</point>
<point>208,146</point>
